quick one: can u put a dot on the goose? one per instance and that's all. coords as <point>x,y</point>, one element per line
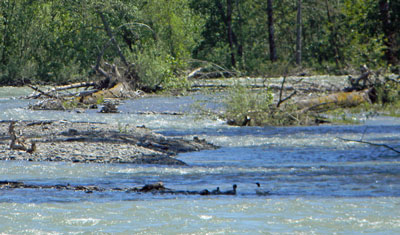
<point>216,191</point>
<point>153,187</point>
<point>259,191</point>
<point>231,192</point>
<point>204,192</point>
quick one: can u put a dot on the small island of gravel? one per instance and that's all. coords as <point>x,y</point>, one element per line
<point>84,142</point>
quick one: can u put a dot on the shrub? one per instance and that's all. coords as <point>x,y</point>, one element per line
<point>243,105</point>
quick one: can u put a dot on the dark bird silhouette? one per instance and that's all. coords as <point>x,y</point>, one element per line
<point>204,192</point>
<point>259,191</point>
<point>231,192</point>
<point>153,187</point>
<point>216,191</point>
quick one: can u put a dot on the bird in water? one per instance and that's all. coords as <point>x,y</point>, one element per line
<point>259,190</point>
<point>153,187</point>
<point>204,192</point>
<point>216,191</point>
<point>231,192</point>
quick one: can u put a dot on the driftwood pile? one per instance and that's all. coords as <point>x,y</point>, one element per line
<point>84,95</point>
<point>20,142</point>
<point>304,109</point>
<point>362,89</point>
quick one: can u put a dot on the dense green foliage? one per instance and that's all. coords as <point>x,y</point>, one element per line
<point>59,41</point>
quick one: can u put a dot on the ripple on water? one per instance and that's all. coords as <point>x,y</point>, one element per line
<point>318,183</point>
<point>199,216</point>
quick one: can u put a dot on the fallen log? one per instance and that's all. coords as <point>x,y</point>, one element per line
<point>43,92</point>
<point>336,100</point>
<point>271,86</point>
<point>53,92</point>
<point>73,86</point>
<point>120,90</point>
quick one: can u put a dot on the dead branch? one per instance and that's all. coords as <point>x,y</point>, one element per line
<point>112,38</point>
<point>19,143</point>
<point>195,73</point>
<point>288,97</point>
<point>100,56</point>
<point>364,81</point>
<point>43,92</point>
<point>210,70</point>
<point>72,86</point>
<point>280,101</point>
<point>49,93</point>
<point>370,143</point>
<point>280,92</point>
<point>298,81</point>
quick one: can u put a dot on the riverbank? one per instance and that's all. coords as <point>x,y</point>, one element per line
<point>89,142</point>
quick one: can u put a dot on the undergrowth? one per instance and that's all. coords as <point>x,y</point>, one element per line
<point>246,107</point>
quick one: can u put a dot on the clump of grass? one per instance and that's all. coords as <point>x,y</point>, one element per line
<point>245,107</point>
<point>241,103</point>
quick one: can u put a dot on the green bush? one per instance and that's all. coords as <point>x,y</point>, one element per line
<point>256,108</point>
<point>243,104</point>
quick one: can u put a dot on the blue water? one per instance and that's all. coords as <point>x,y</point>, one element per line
<point>318,183</point>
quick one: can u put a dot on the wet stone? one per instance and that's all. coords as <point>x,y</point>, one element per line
<point>98,143</point>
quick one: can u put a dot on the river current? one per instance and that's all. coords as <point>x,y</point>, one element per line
<point>318,183</point>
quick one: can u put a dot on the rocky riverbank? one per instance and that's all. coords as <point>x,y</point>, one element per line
<point>83,142</point>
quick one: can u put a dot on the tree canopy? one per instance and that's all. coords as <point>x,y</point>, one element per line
<point>47,41</point>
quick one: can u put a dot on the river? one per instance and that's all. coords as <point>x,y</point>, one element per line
<point>318,183</point>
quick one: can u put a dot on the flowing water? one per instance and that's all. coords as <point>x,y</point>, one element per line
<point>318,183</point>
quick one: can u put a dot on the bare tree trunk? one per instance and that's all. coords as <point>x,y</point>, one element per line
<point>230,32</point>
<point>389,31</point>
<point>271,32</point>
<point>333,37</point>
<point>130,76</point>
<point>299,29</point>
<point>239,42</point>
<point>111,36</point>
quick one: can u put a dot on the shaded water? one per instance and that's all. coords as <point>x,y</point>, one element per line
<point>318,183</point>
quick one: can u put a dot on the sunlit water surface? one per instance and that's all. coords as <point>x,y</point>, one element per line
<point>318,183</point>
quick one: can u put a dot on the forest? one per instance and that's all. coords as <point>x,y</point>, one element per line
<point>162,41</point>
